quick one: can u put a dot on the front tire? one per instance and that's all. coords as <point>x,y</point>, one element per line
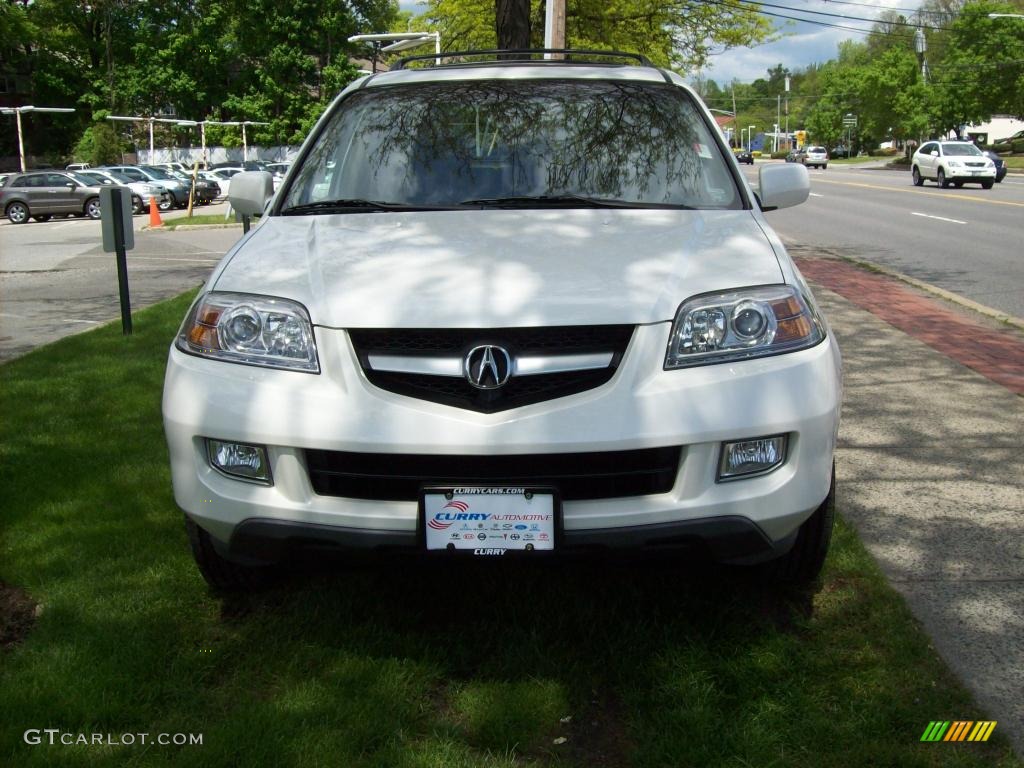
<point>221,574</point>
<point>165,203</point>
<point>42,217</point>
<point>986,185</point>
<point>92,208</point>
<point>17,213</point>
<point>915,174</point>
<point>940,179</point>
<point>802,564</point>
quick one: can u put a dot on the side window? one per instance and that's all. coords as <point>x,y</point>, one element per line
<point>57,180</point>
<point>38,180</point>
<point>21,181</point>
<point>133,173</point>
<point>927,148</point>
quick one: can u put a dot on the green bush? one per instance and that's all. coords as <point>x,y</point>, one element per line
<point>756,153</point>
<point>99,145</point>
<point>887,152</point>
<point>779,155</point>
<point>1018,146</point>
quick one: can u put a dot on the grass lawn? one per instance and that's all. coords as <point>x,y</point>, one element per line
<point>407,664</point>
<point>1014,162</point>
<point>205,218</point>
<point>853,160</point>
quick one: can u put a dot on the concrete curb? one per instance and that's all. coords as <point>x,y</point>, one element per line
<point>146,227</point>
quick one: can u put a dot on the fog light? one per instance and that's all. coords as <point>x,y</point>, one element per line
<point>246,462</point>
<point>751,457</point>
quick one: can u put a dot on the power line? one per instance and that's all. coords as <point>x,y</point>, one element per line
<point>844,16</point>
<point>729,5</point>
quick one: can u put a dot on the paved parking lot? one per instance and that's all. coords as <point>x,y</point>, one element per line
<point>55,278</point>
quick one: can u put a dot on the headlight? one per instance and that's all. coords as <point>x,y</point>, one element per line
<point>954,163</point>
<point>256,330</point>
<point>738,325</point>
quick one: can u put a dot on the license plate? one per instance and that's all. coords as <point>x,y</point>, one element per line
<point>489,520</point>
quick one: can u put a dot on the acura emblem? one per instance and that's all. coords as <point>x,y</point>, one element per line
<point>487,366</point>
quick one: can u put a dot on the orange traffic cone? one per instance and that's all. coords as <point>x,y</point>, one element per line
<point>154,214</point>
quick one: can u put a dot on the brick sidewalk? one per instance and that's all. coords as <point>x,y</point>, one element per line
<point>995,355</point>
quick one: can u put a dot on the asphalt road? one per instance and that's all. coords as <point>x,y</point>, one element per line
<point>55,278</point>
<point>969,241</point>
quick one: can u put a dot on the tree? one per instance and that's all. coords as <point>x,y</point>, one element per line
<point>99,145</point>
<point>512,23</point>
<point>682,34</point>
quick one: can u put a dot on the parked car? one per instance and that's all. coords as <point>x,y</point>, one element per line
<point>223,181</point>
<point>998,162</point>
<point>463,330</point>
<point>952,162</point>
<point>840,151</point>
<point>177,189</point>
<point>206,191</point>
<point>141,191</point>
<point>743,156</point>
<point>77,167</point>
<point>816,157</point>
<point>40,195</point>
<point>795,156</point>
<point>1018,136</point>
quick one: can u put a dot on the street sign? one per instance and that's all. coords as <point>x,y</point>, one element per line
<point>849,120</point>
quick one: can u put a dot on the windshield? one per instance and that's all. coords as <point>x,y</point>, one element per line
<point>157,173</point>
<point>960,150</point>
<point>82,179</point>
<point>481,142</point>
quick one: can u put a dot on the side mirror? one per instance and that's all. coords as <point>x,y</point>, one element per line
<point>250,192</point>
<point>71,185</point>
<point>782,186</point>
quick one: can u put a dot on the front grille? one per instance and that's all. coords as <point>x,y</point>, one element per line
<point>520,390</point>
<point>975,165</point>
<point>577,476</point>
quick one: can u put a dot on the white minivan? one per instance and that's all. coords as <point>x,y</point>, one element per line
<point>508,308</point>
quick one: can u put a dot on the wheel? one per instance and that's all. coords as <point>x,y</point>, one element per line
<point>824,166</point>
<point>986,185</point>
<point>915,174</point>
<point>166,202</point>
<point>958,184</point>
<point>138,205</point>
<point>92,208</point>
<point>42,217</point>
<point>17,213</point>
<point>222,574</point>
<point>940,179</point>
<point>802,564</point>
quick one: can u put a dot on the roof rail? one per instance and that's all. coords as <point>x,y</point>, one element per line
<point>522,56</point>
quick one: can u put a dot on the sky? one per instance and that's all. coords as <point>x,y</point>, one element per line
<point>801,44</point>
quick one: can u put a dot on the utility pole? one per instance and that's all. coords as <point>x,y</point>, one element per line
<point>554,25</point>
<point>736,115</point>
<point>778,119</point>
<point>788,145</point>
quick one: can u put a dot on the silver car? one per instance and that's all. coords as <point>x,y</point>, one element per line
<point>816,156</point>
<point>42,194</point>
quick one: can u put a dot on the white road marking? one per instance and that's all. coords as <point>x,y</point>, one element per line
<point>89,322</point>
<point>939,218</point>
<point>815,194</point>
<point>8,314</point>
<point>149,258</point>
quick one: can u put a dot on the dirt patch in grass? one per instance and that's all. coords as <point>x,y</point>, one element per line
<point>17,615</point>
<point>599,737</point>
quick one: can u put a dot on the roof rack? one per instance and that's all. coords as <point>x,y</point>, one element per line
<point>522,56</point>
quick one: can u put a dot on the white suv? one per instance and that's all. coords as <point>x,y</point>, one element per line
<point>952,162</point>
<point>817,157</point>
<point>508,308</point>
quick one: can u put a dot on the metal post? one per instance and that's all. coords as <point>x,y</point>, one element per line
<point>122,262</point>
<point>245,145</point>
<point>151,158</point>
<point>437,49</point>
<point>21,144</point>
<point>202,138</point>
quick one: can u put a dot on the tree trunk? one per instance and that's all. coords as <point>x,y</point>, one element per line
<point>512,22</point>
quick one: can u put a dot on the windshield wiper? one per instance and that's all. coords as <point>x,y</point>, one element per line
<point>567,201</point>
<point>356,206</point>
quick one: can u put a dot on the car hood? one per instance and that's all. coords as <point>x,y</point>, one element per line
<point>499,268</point>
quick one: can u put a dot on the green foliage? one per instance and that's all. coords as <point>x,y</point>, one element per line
<point>99,145</point>
<point>682,34</point>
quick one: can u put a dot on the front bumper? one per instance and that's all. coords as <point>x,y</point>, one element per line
<point>642,406</point>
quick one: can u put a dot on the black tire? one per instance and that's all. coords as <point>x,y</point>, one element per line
<point>138,205</point>
<point>42,217</point>
<point>986,185</point>
<point>824,167</point>
<point>958,184</point>
<point>165,203</point>
<point>92,208</point>
<point>915,174</point>
<point>940,179</point>
<point>802,564</point>
<point>222,574</point>
<point>17,212</point>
